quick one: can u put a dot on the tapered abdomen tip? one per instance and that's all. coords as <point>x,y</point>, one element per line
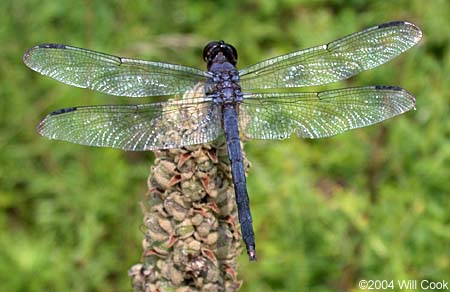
<point>251,255</point>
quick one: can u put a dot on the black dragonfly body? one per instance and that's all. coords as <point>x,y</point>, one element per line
<point>227,101</point>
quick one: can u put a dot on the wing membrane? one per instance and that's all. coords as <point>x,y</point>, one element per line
<point>110,74</point>
<point>151,126</point>
<point>335,61</point>
<point>320,114</point>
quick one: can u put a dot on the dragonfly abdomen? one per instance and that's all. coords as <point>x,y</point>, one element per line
<point>231,130</point>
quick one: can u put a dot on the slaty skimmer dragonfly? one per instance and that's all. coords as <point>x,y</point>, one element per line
<point>231,102</point>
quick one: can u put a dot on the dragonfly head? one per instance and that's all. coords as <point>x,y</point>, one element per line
<point>212,50</point>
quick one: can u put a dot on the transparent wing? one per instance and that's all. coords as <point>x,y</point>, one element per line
<point>110,74</point>
<point>141,127</point>
<point>320,114</point>
<point>335,61</point>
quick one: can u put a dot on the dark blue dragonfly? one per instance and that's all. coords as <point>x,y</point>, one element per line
<point>226,100</point>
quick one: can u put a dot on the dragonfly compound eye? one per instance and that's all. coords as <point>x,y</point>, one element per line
<point>213,48</point>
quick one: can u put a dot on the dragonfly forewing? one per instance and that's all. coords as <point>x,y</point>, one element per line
<point>140,127</point>
<point>110,74</point>
<point>320,114</point>
<point>334,61</point>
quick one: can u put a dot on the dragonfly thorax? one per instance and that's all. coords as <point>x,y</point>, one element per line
<point>224,83</point>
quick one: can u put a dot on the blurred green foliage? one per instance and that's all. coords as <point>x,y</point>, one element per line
<point>372,203</point>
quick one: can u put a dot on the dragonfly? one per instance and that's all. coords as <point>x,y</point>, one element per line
<point>227,102</point>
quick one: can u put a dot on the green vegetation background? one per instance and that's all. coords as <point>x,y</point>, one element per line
<point>372,203</point>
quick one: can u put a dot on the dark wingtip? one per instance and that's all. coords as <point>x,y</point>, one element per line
<point>397,88</point>
<point>403,23</point>
<point>52,46</point>
<point>392,23</point>
<point>389,87</point>
<point>27,54</point>
<point>41,125</point>
<point>42,46</point>
<point>62,111</point>
<point>43,122</point>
